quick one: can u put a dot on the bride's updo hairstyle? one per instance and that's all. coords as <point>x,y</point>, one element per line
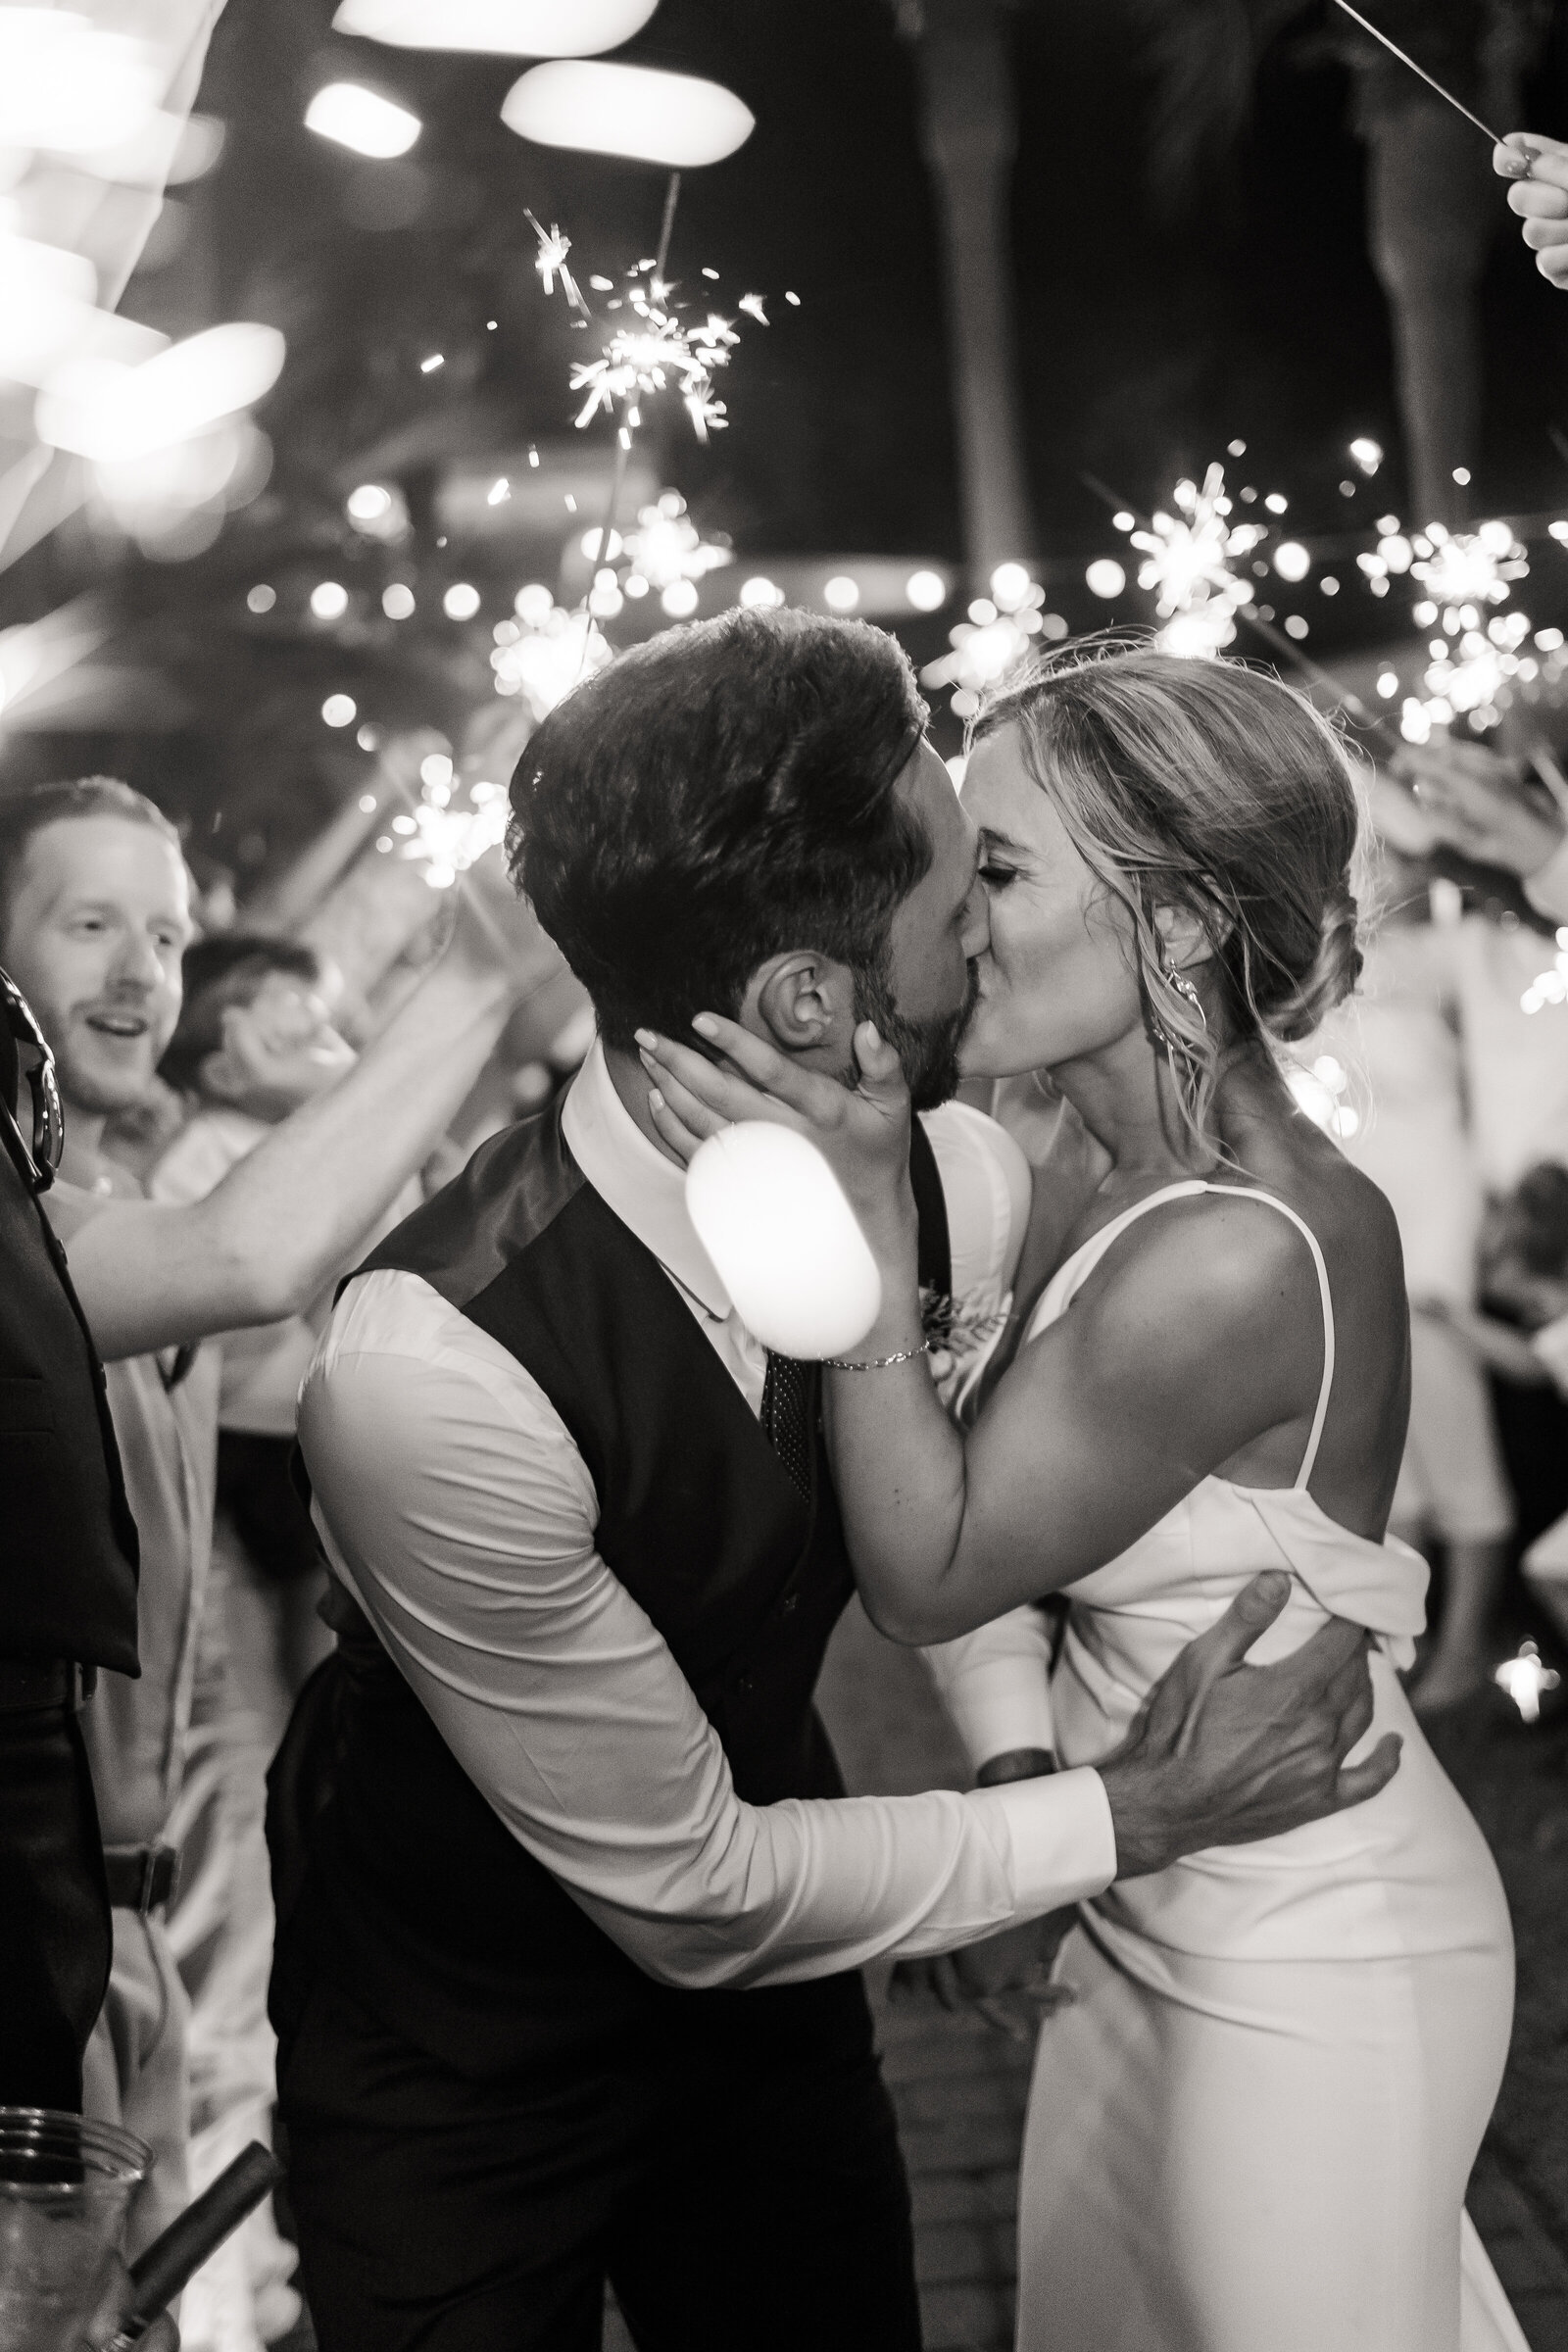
<point>1216,789</point>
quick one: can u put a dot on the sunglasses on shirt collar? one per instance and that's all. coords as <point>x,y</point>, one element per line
<point>26,1059</point>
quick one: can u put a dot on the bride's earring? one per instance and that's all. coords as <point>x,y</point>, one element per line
<point>1183,987</point>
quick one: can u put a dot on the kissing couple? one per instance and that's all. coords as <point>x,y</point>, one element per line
<point>571,1903</point>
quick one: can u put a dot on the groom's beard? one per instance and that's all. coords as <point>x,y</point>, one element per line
<point>927,1050</point>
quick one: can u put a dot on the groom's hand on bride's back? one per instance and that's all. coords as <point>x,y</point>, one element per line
<point>1222,1753</point>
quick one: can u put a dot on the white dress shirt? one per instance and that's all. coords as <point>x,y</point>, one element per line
<point>457,1511</point>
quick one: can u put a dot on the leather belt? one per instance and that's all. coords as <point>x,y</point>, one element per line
<point>27,1685</point>
<point>141,1878</point>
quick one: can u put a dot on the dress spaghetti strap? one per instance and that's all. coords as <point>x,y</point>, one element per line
<point>1076,1270</point>
<point>1250,1193</point>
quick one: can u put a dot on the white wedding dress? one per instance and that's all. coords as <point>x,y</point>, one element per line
<point>1252,2130</point>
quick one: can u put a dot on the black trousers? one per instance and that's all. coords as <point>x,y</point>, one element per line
<point>53,1908</point>
<point>741,2186</point>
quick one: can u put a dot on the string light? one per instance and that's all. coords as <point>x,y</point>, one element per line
<point>1526,1678</point>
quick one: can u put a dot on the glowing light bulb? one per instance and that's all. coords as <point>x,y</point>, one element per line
<point>397,602</point>
<point>461,601</point>
<point>261,599</point>
<point>1105,577</point>
<point>927,591</point>
<point>784,1241</point>
<point>1292,561</point>
<point>679,599</point>
<point>840,594</point>
<point>760,594</point>
<point>329,600</point>
<point>339,709</point>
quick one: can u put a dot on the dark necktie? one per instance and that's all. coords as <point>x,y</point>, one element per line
<point>784,1422</point>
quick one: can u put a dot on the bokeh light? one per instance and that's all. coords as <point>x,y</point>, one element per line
<point>927,591</point>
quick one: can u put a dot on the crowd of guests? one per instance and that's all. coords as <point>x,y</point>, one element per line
<point>1452,1081</point>
<point>204,1247</point>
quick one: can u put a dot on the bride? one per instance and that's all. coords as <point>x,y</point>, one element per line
<point>1251,2129</point>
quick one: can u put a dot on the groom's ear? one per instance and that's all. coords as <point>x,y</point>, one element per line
<point>802,1003</point>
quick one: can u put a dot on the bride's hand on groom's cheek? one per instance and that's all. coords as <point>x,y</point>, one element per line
<point>864,1132</point>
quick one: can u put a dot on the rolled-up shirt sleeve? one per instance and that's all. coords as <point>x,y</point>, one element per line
<point>457,1509</point>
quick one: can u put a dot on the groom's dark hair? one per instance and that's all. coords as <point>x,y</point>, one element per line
<point>713,797</point>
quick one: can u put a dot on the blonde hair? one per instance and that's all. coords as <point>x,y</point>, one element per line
<point>1218,790</point>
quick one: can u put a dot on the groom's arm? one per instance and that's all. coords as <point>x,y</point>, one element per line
<point>456,1508</point>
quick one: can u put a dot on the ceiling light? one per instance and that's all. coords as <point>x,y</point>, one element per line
<point>498,27</point>
<point>668,118</point>
<point>357,117</point>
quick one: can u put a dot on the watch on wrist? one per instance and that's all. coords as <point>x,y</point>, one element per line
<point>1016,1764</point>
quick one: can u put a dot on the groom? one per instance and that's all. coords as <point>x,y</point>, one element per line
<point>571,1903</point>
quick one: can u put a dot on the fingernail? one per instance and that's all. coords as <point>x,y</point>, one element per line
<point>655,1100</point>
<point>646,1039</point>
<point>876,1034</point>
<point>704,1024</point>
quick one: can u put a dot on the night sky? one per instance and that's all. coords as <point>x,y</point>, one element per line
<point>1148,342</point>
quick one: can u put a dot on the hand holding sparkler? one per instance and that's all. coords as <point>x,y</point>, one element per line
<point>1539,170</point>
<point>1479,805</point>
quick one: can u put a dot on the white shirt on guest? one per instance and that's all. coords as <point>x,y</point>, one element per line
<point>455,1506</point>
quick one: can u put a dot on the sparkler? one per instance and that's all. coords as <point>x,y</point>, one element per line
<point>546,652</point>
<point>550,261</point>
<point>1187,566</point>
<point>1420,71</point>
<point>996,637</point>
<point>666,550</point>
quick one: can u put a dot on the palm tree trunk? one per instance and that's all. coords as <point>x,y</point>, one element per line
<point>1431,220</point>
<point>969,139</point>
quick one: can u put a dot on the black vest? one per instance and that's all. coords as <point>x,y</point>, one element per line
<point>68,1543</point>
<point>415,1897</point>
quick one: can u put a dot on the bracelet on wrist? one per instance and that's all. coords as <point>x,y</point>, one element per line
<point>876,1363</point>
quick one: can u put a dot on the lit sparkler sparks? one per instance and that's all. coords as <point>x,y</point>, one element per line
<point>996,637</point>
<point>1187,566</point>
<point>646,359</point>
<point>1472,676</point>
<point>667,549</point>
<point>1467,567</point>
<point>546,651</point>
